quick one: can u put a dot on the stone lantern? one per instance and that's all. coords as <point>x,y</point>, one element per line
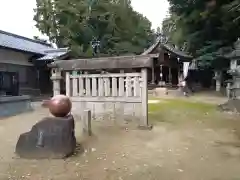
<point>234,86</point>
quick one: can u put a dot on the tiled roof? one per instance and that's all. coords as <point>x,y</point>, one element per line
<point>166,47</point>
<point>13,41</point>
<point>176,51</point>
<point>54,54</point>
<point>151,48</point>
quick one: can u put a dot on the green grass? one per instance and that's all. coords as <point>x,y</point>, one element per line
<point>188,114</point>
<point>180,105</point>
<point>178,110</point>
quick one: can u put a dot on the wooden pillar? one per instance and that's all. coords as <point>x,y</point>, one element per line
<point>179,70</point>
<point>68,84</point>
<point>144,94</point>
<point>56,79</point>
<point>153,74</point>
<point>180,75</point>
<point>170,76</point>
<point>86,122</point>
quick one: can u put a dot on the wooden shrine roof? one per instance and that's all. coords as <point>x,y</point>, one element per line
<point>118,62</point>
<point>168,48</point>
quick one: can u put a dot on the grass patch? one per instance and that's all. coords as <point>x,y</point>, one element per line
<point>177,110</point>
<point>180,105</point>
<point>188,114</point>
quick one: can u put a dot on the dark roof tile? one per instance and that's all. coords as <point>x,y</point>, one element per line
<point>166,47</point>
<point>54,54</point>
<point>13,41</point>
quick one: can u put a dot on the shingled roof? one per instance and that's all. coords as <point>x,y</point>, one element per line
<point>20,43</point>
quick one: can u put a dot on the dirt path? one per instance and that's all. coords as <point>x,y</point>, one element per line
<point>194,151</point>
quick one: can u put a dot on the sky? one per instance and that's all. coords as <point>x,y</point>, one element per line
<point>16,16</point>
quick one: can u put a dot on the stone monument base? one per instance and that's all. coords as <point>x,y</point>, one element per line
<point>53,137</point>
<point>232,105</point>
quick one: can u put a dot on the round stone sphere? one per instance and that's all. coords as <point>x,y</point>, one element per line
<point>60,106</point>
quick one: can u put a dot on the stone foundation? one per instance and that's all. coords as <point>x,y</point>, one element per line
<point>13,105</point>
<point>109,110</point>
<point>232,105</point>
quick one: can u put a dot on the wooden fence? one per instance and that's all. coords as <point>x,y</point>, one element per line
<point>118,95</point>
<point>108,95</point>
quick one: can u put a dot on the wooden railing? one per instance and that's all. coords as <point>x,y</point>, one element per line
<point>120,94</point>
<point>118,85</point>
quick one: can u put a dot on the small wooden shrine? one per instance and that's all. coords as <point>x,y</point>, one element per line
<point>168,64</point>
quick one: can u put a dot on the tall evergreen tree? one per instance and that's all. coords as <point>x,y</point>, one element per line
<point>207,28</point>
<point>75,23</point>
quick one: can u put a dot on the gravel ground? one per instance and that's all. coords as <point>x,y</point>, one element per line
<point>190,149</point>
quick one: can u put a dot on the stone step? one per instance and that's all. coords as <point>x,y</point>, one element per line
<point>29,91</point>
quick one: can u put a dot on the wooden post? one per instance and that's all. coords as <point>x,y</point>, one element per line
<point>68,84</point>
<point>128,86</point>
<point>94,86</point>
<point>86,122</point>
<point>121,88</point>
<point>114,87</point>
<point>81,88</point>
<point>144,94</point>
<point>170,76</point>
<point>136,87</point>
<point>153,74</point>
<point>100,87</point>
<point>56,79</point>
<point>74,83</point>
<point>87,85</point>
<point>107,86</point>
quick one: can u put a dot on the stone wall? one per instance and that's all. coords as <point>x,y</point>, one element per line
<point>13,105</point>
<point>119,111</point>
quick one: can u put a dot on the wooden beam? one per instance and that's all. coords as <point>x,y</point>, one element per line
<point>120,62</point>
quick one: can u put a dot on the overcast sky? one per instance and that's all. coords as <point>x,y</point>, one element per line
<point>16,16</point>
